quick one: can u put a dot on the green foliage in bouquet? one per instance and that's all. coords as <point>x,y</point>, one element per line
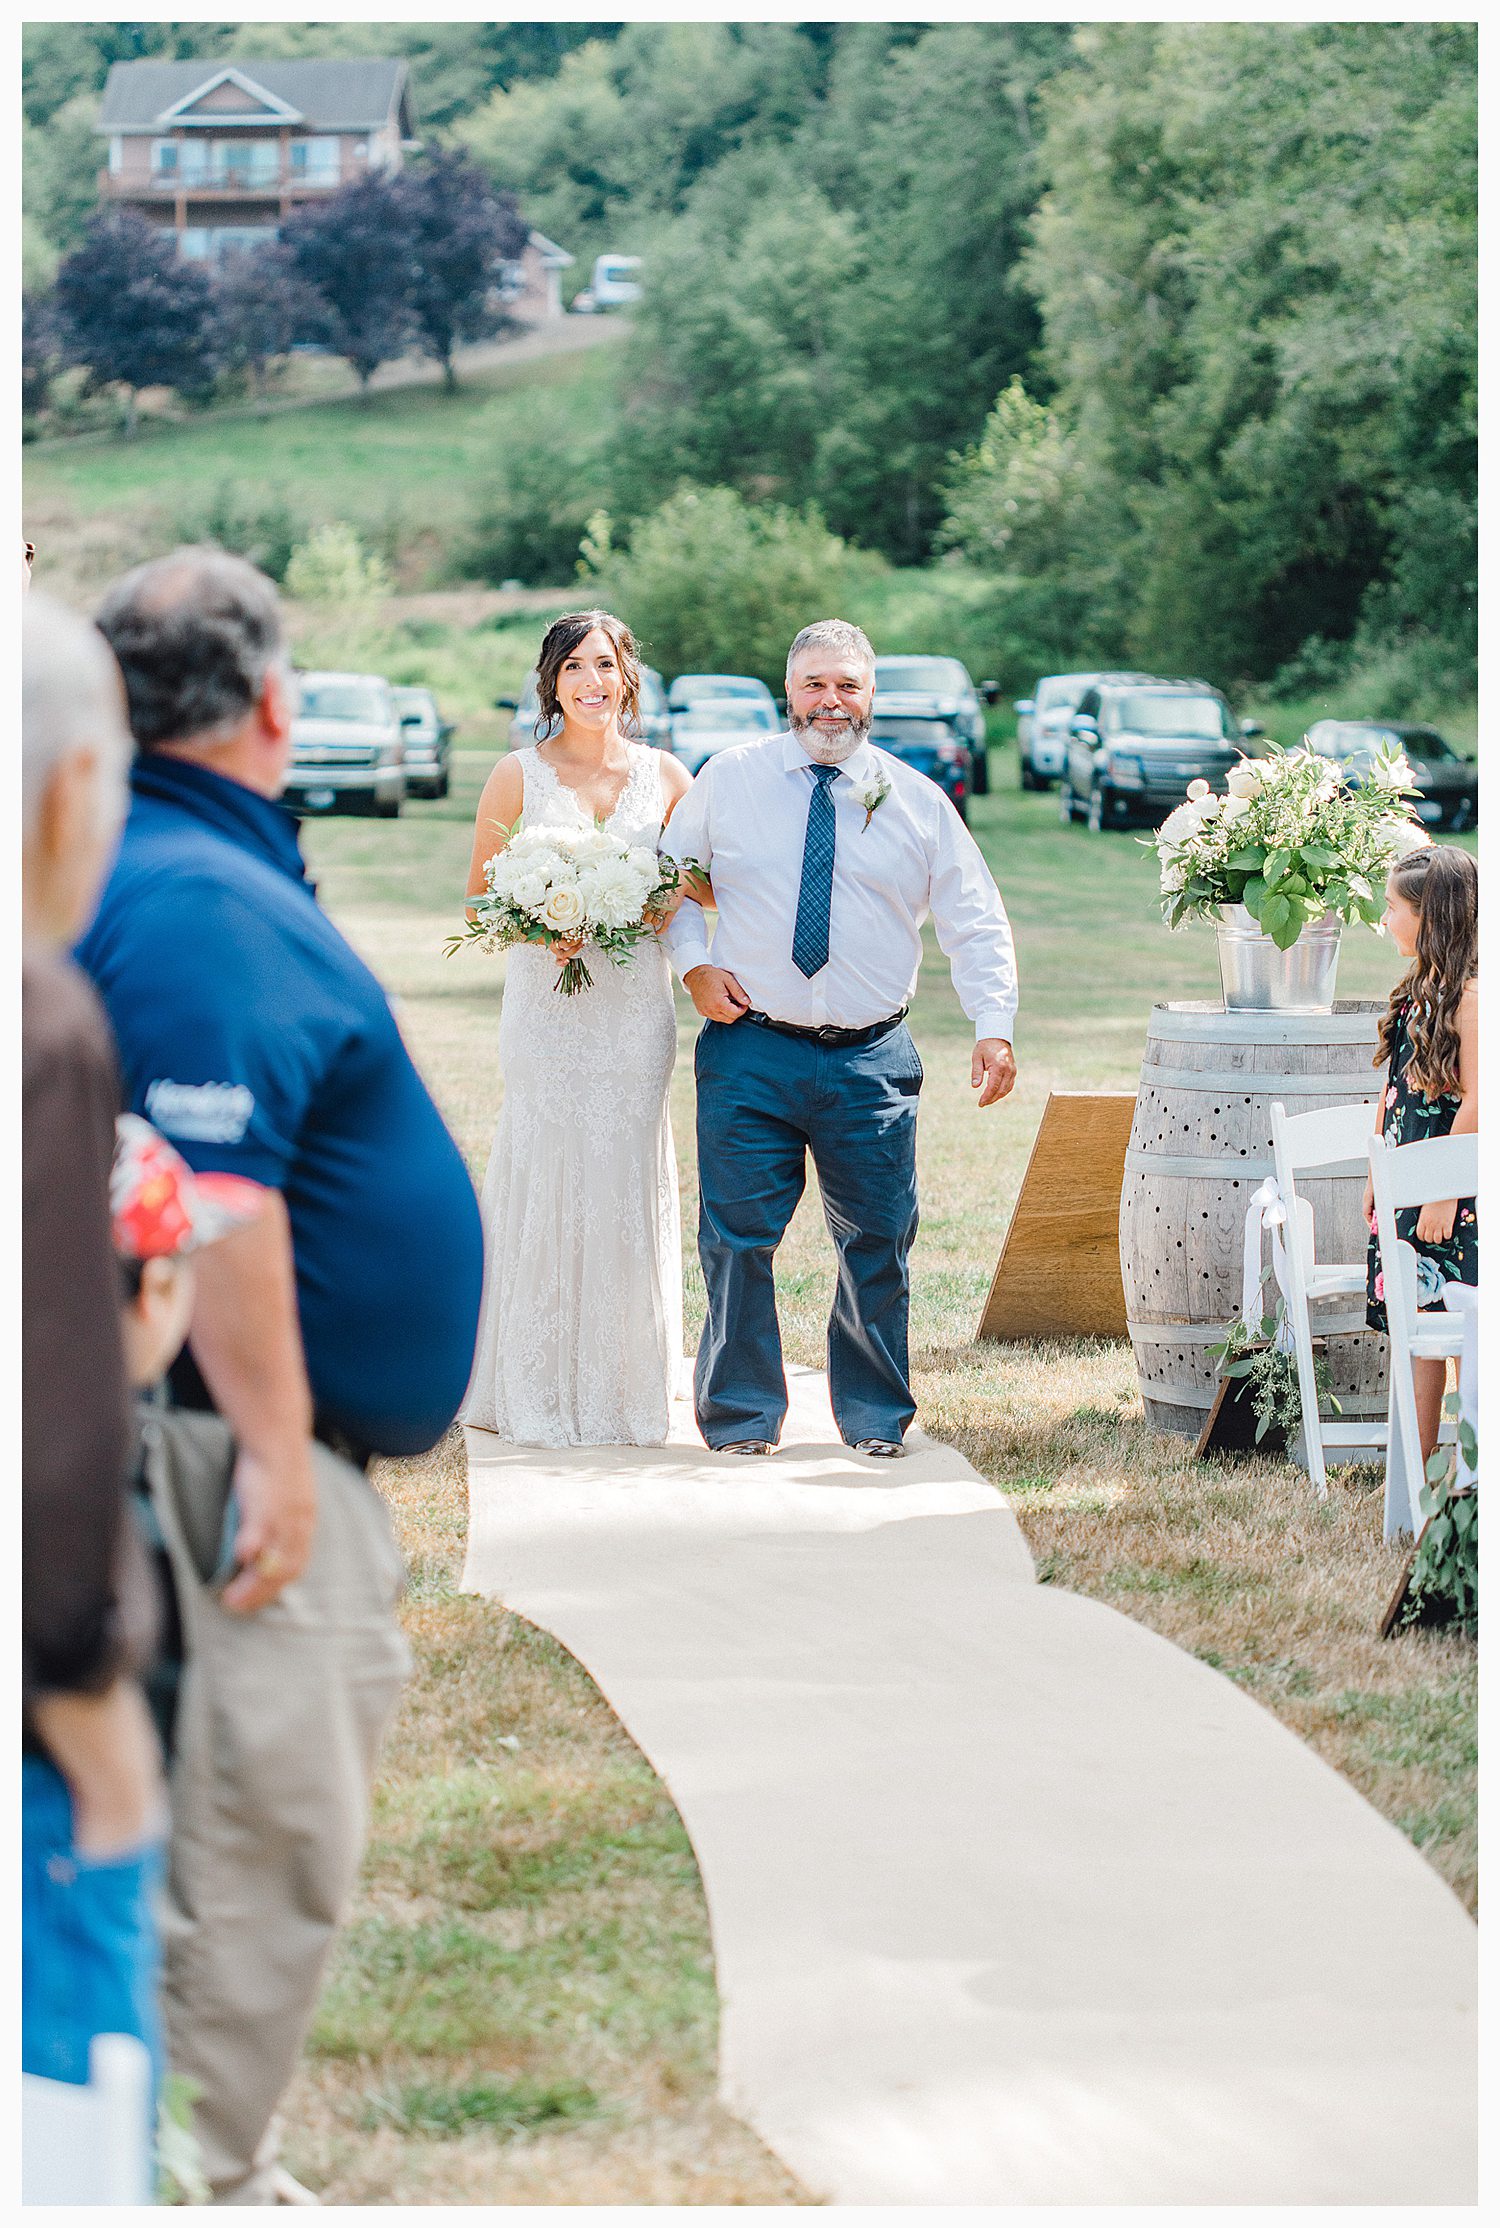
<point>1272,1373</point>
<point>1291,840</point>
<point>1444,1584</point>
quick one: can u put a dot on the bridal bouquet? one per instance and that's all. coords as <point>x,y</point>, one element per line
<point>564,888</point>
<point>1291,840</point>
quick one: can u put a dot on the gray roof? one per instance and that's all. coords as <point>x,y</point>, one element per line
<point>332,96</point>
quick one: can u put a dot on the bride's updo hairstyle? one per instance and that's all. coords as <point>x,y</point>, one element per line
<point>558,644</point>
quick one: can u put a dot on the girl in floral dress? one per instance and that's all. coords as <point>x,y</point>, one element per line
<point>1430,1036</point>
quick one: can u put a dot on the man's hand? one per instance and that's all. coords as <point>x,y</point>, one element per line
<point>278,1506</point>
<point>105,1746</point>
<point>715,993</point>
<point>246,1341</point>
<point>993,1073</point>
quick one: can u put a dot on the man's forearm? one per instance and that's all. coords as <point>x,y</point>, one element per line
<point>245,1335</point>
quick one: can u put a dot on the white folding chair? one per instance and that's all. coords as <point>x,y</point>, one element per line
<point>1412,1176</point>
<point>89,2143</point>
<point>1300,1144</point>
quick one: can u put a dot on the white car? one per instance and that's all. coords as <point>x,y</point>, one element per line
<point>696,688</point>
<point>718,723</point>
<point>347,750</point>
<point>615,281</point>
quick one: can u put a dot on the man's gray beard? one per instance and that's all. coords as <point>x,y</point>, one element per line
<point>823,751</point>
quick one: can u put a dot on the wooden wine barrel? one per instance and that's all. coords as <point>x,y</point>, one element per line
<point>1199,1148</point>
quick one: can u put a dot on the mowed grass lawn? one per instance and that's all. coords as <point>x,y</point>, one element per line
<point>403,466</point>
<point>523,2010</point>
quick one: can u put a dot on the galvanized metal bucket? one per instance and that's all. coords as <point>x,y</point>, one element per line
<point>1257,978</point>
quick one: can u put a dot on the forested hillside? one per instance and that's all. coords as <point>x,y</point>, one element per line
<point>1168,331</point>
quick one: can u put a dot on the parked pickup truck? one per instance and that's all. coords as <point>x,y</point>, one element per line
<point>347,751</point>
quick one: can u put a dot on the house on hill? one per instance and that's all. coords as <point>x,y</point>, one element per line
<point>221,152</point>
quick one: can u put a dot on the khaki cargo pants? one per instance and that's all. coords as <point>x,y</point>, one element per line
<point>279,1722</point>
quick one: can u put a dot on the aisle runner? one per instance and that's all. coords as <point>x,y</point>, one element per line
<point>1013,1902</point>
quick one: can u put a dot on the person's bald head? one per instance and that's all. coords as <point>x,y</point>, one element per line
<point>75,754</point>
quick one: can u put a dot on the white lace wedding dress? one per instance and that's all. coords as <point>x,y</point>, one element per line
<point>580,1337</point>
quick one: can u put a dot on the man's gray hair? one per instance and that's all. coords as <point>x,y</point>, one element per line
<point>840,636</point>
<point>71,700</point>
<point>196,634</point>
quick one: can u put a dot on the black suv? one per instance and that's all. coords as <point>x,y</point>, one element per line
<point>1134,745</point>
<point>1447,784</point>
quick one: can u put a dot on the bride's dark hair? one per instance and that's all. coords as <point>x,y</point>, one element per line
<point>558,644</point>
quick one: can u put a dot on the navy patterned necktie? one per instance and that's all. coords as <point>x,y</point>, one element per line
<point>814,899</point>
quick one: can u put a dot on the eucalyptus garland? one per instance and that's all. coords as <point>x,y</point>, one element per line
<point>1271,1373</point>
<point>1443,1585</point>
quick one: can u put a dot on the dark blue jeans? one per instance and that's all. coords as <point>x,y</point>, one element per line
<point>88,1936</point>
<point>764,1102</point>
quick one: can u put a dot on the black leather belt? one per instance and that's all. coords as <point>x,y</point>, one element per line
<point>827,1034</point>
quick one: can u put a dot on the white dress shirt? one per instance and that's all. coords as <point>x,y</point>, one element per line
<point>745,820</point>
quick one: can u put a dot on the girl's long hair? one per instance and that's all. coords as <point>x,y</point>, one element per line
<point>1441,884</point>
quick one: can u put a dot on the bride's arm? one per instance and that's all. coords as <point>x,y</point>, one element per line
<point>499,810</point>
<point>676,781</point>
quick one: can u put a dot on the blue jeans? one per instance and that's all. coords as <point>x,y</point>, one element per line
<point>89,1956</point>
<point>764,1102</point>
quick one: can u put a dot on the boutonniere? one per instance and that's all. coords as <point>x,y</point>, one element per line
<point>872,797</point>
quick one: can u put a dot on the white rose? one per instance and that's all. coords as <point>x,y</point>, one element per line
<point>563,909</point>
<point>1245,781</point>
<point>1237,806</point>
<point>1180,822</point>
<point>529,888</point>
<point>1206,807</point>
<point>1197,790</point>
<point>1404,837</point>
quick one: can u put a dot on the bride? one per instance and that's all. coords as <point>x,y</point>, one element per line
<point>580,1337</point>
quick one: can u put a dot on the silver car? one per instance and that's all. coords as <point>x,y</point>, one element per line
<point>696,688</point>
<point>425,739</point>
<point>1042,723</point>
<point>656,722</point>
<point>347,752</point>
<point>717,723</point>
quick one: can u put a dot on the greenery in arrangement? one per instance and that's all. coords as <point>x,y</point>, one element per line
<point>1270,1369</point>
<point>1443,1585</point>
<point>1291,840</point>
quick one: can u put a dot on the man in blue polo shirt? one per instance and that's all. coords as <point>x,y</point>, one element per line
<point>251,1035</point>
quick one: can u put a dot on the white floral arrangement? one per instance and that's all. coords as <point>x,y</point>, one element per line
<point>566,888</point>
<point>1290,840</point>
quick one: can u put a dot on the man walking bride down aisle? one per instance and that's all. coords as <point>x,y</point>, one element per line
<point>825,855</point>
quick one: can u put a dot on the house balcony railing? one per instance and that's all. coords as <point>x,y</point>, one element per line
<point>167,184</point>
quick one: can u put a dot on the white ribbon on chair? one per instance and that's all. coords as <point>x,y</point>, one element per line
<point>1266,1211</point>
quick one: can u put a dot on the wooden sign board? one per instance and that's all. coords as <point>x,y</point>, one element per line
<point>1230,1424</point>
<point>1059,1270</point>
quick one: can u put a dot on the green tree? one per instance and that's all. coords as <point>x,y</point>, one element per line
<point>531,514</point>
<point>733,374</point>
<point>1255,264</point>
<point>710,583</point>
<point>60,167</point>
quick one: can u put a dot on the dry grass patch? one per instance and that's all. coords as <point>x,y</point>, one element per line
<point>522,2007</point>
<point>1235,1561</point>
